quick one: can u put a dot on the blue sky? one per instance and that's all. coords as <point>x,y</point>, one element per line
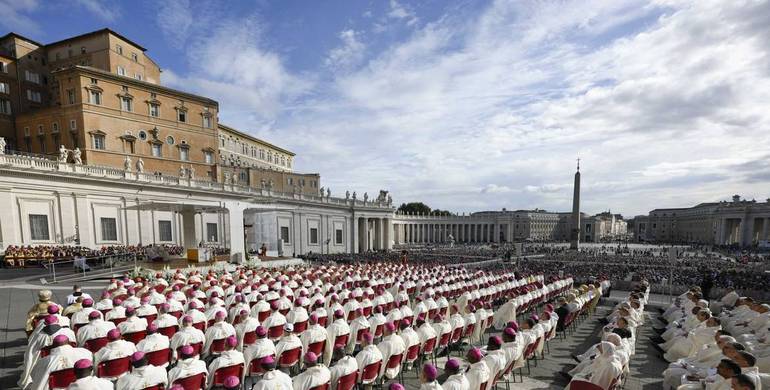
<point>473,105</point>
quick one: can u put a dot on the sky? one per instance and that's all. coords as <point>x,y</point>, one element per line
<point>473,105</point>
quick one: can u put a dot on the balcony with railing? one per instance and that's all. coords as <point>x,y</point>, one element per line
<point>46,164</point>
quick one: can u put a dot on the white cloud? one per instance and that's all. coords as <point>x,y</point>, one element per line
<point>230,65</point>
<point>13,16</point>
<point>400,11</point>
<point>105,10</point>
<point>349,54</point>
<point>174,18</point>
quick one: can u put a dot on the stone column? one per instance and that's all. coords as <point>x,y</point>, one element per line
<point>188,229</point>
<point>380,229</point>
<point>354,234</point>
<point>388,234</point>
<point>235,221</point>
<point>84,231</point>
<point>765,227</point>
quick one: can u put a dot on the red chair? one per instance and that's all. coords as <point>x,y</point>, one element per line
<point>159,358</point>
<point>430,344</point>
<point>275,332</point>
<point>324,386</point>
<point>169,331</point>
<point>379,330</point>
<point>370,373</point>
<point>412,353</point>
<point>341,339</point>
<point>195,382</point>
<point>177,314</point>
<point>118,321</point>
<point>283,311</point>
<point>197,348</point>
<point>255,367</point>
<point>150,318</point>
<point>457,334</point>
<point>262,316</point>
<point>217,347</point>
<point>61,379</point>
<point>322,321</point>
<point>135,337</point>
<point>469,333</point>
<point>94,345</point>
<point>300,327</point>
<point>159,386</point>
<point>201,326</point>
<point>443,342</point>
<point>290,358</point>
<point>317,347</point>
<point>432,314</point>
<point>250,338</point>
<point>114,368</point>
<point>367,311</point>
<point>394,361</point>
<point>223,373</point>
<point>578,384</point>
<point>347,382</point>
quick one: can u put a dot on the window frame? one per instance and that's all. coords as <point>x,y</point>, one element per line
<point>209,236</point>
<point>113,237</point>
<point>162,223</point>
<point>33,232</point>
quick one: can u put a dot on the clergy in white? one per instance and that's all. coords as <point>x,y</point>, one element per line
<point>315,374</point>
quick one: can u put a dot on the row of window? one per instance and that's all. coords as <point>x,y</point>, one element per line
<point>312,236</point>
<point>122,72</point>
<point>301,182</point>
<point>34,96</point>
<point>5,88</point>
<point>119,50</point>
<point>39,230</point>
<point>127,104</point>
<point>32,77</point>
<point>3,67</point>
<point>257,153</point>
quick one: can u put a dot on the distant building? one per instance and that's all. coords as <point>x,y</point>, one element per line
<point>740,222</point>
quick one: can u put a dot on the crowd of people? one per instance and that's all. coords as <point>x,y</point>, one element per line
<point>722,344</point>
<point>299,328</point>
<point>24,255</point>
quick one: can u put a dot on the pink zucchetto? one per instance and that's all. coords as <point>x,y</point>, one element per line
<point>82,364</point>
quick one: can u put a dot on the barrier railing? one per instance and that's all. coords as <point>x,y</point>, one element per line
<point>86,264</point>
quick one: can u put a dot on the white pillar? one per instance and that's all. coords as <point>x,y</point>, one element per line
<point>389,234</point>
<point>354,235</point>
<point>9,234</point>
<point>765,227</point>
<point>188,229</point>
<point>82,221</point>
<point>380,230</point>
<point>235,222</point>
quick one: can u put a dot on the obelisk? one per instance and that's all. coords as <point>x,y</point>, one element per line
<point>575,234</point>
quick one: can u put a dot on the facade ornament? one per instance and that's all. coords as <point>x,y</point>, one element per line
<point>347,195</point>
<point>366,197</point>
<point>76,156</point>
<point>63,153</point>
<point>262,183</point>
<point>328,193</point>
<point>270,184</point>
<point>390,200</point>
<point>354,196</point>
<point>127,164</point>
<point>322,192</point>
<point>182,171</point>
<point>234,178</point>
<point>226,178</point>
<point>140,166</point>
<point>2,145</point>
<point>191,172</point>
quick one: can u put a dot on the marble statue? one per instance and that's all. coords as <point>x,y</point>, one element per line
<point>140,165</point>
<point>262,183</point>
<point>347,195</point>
<point>227,178</point>
<point>191,172</point>
<point>328,193</point>
<point>63,153</point>
<point>322,191</point>
<point>390,200</point>
<point>127,164</point>
<point>2,145</point>
<point>76,156</point>
<point>270,184</point>
<point>366,196</point>
<point>354,196</point>
<point>182,171</point>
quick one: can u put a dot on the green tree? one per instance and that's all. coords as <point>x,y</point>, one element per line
<point>414,208</point>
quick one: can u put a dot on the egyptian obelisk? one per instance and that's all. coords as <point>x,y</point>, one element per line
<point>575,234</point>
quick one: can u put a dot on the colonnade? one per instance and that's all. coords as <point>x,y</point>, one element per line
<point>428,232</point>
<point>372,233</point>
<point>743,230</point>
